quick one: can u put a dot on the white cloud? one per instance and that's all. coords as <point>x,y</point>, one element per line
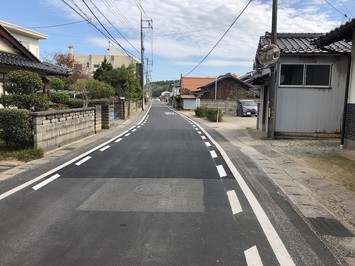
<point>185,31</point>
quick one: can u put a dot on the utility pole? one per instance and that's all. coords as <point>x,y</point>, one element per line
<point>149,25</point>
<point>272,88</point>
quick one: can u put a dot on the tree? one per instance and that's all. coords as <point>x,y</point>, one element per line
<point>57,84</point>
<point>92,89</point>
<point>104,72</point>
<point>67,60</point>
<point>124,79</point>
<point>126,82</point>
<point>22,88</point>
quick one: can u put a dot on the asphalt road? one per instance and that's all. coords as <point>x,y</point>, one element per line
<point>162,193</point>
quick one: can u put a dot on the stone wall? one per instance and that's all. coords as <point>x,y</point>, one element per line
<point>53,129</point>
<point>228,107</point>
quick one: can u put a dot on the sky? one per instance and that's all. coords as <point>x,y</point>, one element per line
<point>194,38</point>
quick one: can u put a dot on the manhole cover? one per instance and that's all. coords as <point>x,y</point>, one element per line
<point>152,189</point>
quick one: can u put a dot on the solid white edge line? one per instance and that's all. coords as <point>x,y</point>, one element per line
<point>278,247</point>
<point>252,257</point>
<point>36,179</point>
<point>234,202</point>
<point>45,182</point>
<point>118,140</point>
<point>221,171</point>
<point>83,160</point>
<point>105,148</point>
<point>213,154</point>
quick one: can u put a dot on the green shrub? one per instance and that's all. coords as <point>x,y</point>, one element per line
<point>59,97</point>
<point>33,102</point>
<point>201,111</point>
<point>75,103</point>
<point>213,113</point>
<point>16,127</point>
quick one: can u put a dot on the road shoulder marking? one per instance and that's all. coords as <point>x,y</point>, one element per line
<point>234,202</point>
<point>274,239</point>
<point>45,182</point>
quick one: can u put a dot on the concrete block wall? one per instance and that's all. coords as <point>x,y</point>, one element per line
<point>107,116</point>
<point>350,127</point>
<point>53,129</point>
<point>229,107</point>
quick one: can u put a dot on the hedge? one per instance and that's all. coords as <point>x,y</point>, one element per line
<point>16,127</point>
<point>210,113</point>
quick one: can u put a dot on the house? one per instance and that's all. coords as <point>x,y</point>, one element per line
<point>190,102</point>
<point>329,41</point>
<point>309,88</point>
<point>15,56</point>
<point>90,63</point>
<point>224,91</point>
<point>28,38</point>
<point>225,87</point>
<point>190,85</point>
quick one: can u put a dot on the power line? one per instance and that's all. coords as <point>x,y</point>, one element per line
<point>220,38</point>
<point>336,9</point>
<point>119,15</point>
<point>346,8</point>
<point>58,25</point>
<point>114,27</point>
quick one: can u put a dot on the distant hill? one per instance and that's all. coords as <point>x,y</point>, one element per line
<point>159,86</point>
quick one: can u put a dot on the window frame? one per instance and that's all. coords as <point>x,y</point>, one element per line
<point>304,78</point>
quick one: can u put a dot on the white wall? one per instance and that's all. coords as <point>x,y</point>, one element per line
<point>312,110</point>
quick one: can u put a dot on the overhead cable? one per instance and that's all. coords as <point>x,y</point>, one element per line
<point>220,38</point>
<point>114,27</point>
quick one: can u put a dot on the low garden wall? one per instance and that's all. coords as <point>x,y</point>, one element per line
<point>52,129</point>
<point>229,107</point>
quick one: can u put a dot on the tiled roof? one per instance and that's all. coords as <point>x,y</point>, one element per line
<point>192,84</point>
<point>342,33</point>
<point>302,43</point>
<point>19,61</point>
<point>228,75</point>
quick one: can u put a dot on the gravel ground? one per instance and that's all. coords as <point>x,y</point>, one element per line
<point>322,156</point>
<point>311,148</point>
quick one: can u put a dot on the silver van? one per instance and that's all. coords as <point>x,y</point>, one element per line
<point>247,108</point>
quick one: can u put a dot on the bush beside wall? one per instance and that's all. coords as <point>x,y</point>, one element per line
<point>16,127</point>
<point>212,114</point>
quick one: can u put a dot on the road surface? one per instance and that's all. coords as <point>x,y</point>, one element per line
<point>162,193</point>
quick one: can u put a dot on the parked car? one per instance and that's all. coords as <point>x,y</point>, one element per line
<point>247,108</point>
